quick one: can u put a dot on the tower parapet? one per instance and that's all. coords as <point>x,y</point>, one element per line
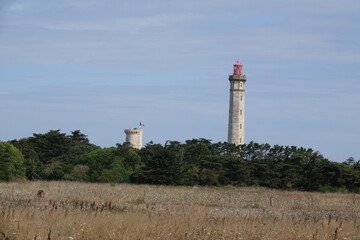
<point>236,131</point>
<point>134,137</point>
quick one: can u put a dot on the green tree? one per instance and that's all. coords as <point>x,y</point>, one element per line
<point>50,145</point>
<point>130,156</point>
<point>78,173</point>
<point>11,162</point>
<point>34,167</point>
<point>161,164</point>
<point>77,136</point>
<point>237,171</point>
<point>312,169</point>
<point>53,155</point>
<point>104,162</point>
<point>211,170</point>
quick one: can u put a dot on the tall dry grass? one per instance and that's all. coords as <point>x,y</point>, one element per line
<point>102,211</point>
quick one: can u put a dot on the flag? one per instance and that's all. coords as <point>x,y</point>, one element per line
<point>142,125</point>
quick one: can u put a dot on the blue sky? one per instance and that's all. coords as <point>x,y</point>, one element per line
<point>103,66</point>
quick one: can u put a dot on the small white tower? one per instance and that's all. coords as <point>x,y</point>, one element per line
<point>134,137</point>
<point>237,106</point>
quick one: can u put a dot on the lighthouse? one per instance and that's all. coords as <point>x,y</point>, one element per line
<point>237,106</point>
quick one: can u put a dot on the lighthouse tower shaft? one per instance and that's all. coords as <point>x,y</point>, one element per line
<point>236,130</point>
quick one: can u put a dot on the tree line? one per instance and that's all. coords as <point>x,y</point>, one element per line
<point>58,156</point>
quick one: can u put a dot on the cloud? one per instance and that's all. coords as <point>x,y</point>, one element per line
<point>159,31</point>
<point>17,6</point>
<point>82,4</point>
<point>125,24</point>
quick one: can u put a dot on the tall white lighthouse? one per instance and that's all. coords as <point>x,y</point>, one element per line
<point>237,106</point>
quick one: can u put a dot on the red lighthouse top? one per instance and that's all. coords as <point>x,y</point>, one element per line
<point>237,68</point>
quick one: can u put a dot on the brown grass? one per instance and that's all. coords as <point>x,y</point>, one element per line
<point>102,211</point>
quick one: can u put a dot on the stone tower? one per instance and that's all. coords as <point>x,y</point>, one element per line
<point>134,137</point>
<point>237,106</point>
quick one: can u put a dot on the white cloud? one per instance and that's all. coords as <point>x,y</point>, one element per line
<point>126,24</point>
<point>83,4</point>
<point>18,6</point>
<point>176,31</point>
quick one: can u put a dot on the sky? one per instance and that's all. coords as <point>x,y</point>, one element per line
<point>104,66</point>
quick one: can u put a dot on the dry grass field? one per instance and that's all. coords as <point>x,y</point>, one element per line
<point>102,211</point>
